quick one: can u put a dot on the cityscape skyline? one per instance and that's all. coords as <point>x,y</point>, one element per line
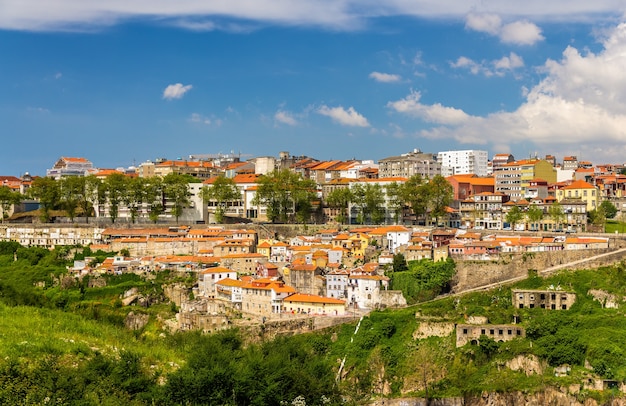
<point>122,83</point>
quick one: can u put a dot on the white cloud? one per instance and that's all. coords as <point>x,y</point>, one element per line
<point>489,23</point>
<point>66,15</point>
<point>518,32</point>
<point>435,113</point>
<point>58,75</point>
<point>285,117</point>
<point>176,91</point>
<point>498,67</point>
<point>385,77</point>
<point>198,118</point>
<point>579,107</point>
<point>344,117</point>
<point>464,62</point>
<point>521,33</point>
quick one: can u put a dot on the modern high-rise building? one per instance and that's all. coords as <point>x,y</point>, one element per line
<point>463,162</point>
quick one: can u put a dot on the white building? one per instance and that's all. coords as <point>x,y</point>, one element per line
<point>337,283</point>
<point>463,162</point>
<point>210,276</point>
<point>364,290</point>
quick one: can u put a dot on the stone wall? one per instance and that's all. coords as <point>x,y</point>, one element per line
<point>392,298</point>
<point>473,274</point>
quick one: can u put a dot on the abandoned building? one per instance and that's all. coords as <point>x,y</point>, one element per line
<point>470,333</point>
<point>544,299</point>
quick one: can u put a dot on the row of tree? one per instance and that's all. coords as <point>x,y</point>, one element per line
<point>535,214</point>
<point>82,195</point>
<point>287,196</point>
<point>290,198</point>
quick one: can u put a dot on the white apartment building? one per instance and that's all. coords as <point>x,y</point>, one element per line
<point>463,162</point>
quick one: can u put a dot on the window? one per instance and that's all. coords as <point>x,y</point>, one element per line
<point>492,331</point>
<point>500,332</point>
<point>553,306</point>
<point>464,331</point>
<point>482,331</point>
<point>564,307</point>
<point>521,305</point>
<point>532,306</point>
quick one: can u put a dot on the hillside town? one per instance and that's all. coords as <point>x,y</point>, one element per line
<point>243,270</point>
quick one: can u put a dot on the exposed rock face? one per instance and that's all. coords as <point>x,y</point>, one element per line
<point>550,396</point>
<point>430,329</point>
<point>529,364</point>
<point>608,300</point>
<point>176,293</point>
<point>136,321</point>
<point>97,283</point>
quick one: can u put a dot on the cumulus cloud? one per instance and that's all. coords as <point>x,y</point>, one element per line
<point>498,67</point>
<point>435,113</point>
<point>63,15</point>
<point>489,23</point>
<point>521,33</point>
<point>175,91</point>
<point>580,105</point>
<point>518,32</point>
<point>344,117</point>
<point>198,118</point>
<point>284,117</point>
<point>385,77</point>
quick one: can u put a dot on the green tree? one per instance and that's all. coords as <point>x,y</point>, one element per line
<point>89,198</point>
<point>608,208</point>
<point>222,191</point>
<point>440,193</point>
<point>340,199</point>
<point>514,216</point>
<point>176,191</point>
<point>416,194</point>
<point>284,193</point>
<point>368,199</point>
<point>153,189</point>
<point>8,198</point>
<point>71,189</point>
<point>46,191</point>
<point>395,199</point>
<point>535,215</point>
<point>374,201</point>
<point>555,211</point>
<point>116,187</point>
<point>399,263</point>
<point>135,196</point>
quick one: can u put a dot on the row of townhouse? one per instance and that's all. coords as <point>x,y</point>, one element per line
<point>491,246</point>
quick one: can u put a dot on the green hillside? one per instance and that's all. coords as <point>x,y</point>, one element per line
<point>65,343</point>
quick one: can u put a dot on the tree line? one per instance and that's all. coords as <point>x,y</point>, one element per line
<point>287,197</point>
<point>290,198</point>
<point>83,195</point>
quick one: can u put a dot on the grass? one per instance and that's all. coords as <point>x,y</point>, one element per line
<point>29,332</point>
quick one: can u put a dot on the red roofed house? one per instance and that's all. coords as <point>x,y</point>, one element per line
<point>264,296</point>
<point>312,304</point>
<point>208,277</point>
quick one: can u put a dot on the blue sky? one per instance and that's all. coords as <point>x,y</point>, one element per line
<point>122,82</point>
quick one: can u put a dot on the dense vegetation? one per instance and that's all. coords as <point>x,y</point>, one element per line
<point>423,280</point>
<point>65,343</point>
